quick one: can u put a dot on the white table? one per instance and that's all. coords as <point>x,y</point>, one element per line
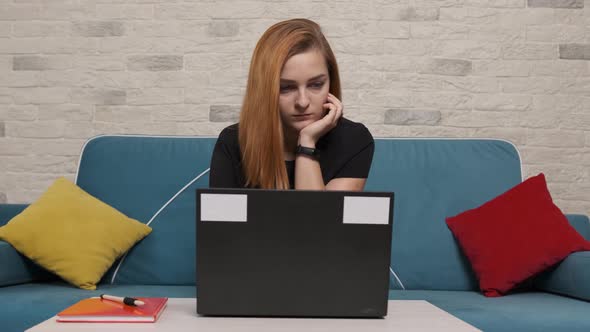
<point>180,315</point>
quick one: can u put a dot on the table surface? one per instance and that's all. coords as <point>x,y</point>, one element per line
<point>180,315</point>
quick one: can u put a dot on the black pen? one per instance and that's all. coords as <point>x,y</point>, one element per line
<point>124,300</point>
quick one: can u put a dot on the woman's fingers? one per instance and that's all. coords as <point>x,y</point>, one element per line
<point>331,113</point>
<point>339,107</point>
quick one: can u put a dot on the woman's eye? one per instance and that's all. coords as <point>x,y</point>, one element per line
<point>317,85</point>
<point>288,88</point>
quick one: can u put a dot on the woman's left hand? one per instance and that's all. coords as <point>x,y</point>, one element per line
<point>309,135</point>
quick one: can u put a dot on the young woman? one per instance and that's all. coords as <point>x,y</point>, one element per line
<point>291,133</point>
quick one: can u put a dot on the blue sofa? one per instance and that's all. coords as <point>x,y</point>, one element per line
<point>432,179</point>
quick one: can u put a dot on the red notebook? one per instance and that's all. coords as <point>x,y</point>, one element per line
<point>96,310</point>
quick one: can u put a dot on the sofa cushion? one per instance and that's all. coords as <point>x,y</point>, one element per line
<point>516,312</point>
<point>72,234</point>
<point>522,312</point>
<point>515,236</point>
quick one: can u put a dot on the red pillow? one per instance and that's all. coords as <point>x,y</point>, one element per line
<point>515,236</point>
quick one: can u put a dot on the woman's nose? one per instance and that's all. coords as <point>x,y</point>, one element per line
<point>302,100</point>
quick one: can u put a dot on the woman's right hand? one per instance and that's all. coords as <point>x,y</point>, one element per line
<point>309,135</point>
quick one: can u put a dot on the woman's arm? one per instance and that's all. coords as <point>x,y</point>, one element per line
<point>308,174</point>
<point>348,184</point>
<point>353,175</point>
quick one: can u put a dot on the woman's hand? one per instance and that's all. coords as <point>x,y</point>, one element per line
<point>309,135</point>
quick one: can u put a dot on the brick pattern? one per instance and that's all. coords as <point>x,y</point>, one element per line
<point>412,117</point>
<point>574,51</point>
<point>33,62</point>
<point>556,3</point>
<point>98,29</point>
<point>512,69</point>
<point>154,62</point>
<point>224,113</point>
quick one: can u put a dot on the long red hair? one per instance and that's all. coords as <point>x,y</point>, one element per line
<point>260,128</point>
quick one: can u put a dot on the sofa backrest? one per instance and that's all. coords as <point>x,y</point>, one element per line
<point>431,178</point>
<point>138,175</point>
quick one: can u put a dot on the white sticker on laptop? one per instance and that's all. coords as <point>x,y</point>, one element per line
<point>366,210</point>
<point>224,207</point>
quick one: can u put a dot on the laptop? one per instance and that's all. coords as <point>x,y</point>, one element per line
<point>292,253</point>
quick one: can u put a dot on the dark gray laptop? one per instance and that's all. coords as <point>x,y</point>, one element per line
<point>293,253</point>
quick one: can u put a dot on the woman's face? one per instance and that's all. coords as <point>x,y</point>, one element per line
<point>305,85</point>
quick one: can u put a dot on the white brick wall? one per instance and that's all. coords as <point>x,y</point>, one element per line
<point>511,69</point>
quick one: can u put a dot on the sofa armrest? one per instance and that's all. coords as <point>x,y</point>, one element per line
<point>18,269</point>
<point>581,223</point>
<point>14,267</point>
<point>9,211</point>
<point>569,278</point>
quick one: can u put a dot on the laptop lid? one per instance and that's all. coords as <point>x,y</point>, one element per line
<point>293,253</point>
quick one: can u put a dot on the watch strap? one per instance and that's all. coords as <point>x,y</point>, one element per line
<point>312,152</point>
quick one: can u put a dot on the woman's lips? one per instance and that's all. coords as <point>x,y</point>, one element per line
<point>303,116</point>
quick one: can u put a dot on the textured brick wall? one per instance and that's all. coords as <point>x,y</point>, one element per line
<point>512,69</point>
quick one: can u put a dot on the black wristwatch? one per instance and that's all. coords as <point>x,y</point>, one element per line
<point>312,152</point>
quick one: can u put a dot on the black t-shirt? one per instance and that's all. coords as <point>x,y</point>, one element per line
<point>345,152</point>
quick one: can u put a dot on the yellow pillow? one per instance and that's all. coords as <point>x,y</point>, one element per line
<point>72,234</point>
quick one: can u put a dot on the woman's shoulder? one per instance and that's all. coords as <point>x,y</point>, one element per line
<point>229,134</point>
<point>229,140</point>
<point>230,130</point>
<point>345,140</point>
<point>351,132</point>
<point>352,127</point>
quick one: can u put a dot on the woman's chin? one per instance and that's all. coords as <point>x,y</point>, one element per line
<point>299,125</point>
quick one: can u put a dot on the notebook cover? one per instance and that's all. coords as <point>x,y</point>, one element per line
<point>96,310</point>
